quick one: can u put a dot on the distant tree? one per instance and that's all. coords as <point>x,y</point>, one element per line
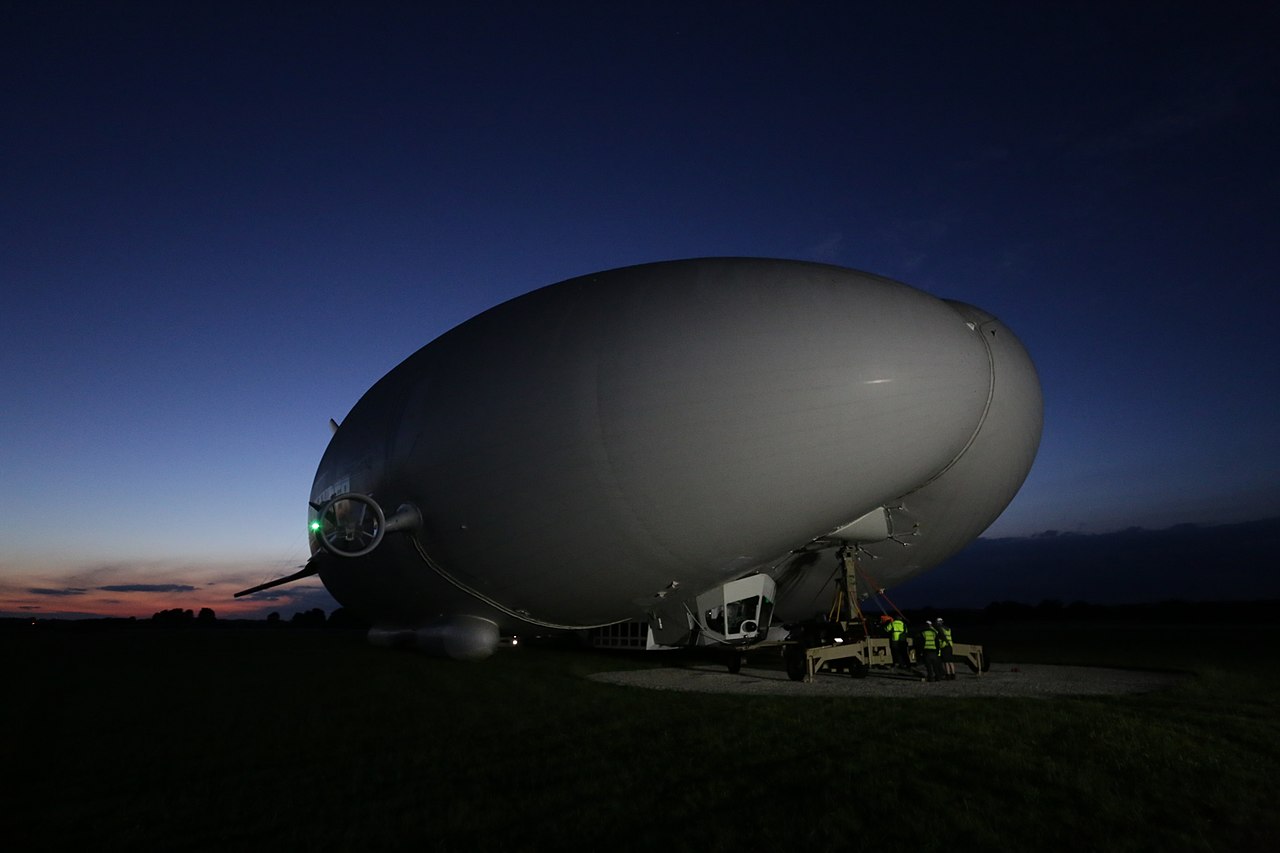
<point>344,618</point>
<point>206,616</point>
<point>1000,611</point>
<point>1050,608</point>
<point>313,618</point>
<point>176,616</point>
<point>273,617</point>
<point>1081,610</point>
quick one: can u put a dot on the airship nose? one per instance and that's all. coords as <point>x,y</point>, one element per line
<point>352,525</point>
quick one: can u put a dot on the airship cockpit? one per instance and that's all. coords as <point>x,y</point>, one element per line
<point>737,612</point>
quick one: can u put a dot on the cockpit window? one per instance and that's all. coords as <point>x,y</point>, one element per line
<point>743,610</point>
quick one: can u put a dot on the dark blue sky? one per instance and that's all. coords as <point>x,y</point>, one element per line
<point>220,223</point>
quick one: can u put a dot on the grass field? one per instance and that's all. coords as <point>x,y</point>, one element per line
<point>231,739</point>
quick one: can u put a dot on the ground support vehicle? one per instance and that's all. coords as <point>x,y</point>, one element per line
<point>857,657</point>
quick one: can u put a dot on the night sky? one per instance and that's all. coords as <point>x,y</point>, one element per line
<point>219,224</point>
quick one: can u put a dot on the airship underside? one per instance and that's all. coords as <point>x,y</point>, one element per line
<point>616,446</point>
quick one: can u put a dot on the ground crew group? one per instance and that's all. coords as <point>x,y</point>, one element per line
<point>933,646</point>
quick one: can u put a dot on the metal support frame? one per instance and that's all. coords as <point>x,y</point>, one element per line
<point>803,663</point>
<point>847,593</point>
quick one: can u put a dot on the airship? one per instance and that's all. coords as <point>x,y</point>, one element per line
<point>690,445</point>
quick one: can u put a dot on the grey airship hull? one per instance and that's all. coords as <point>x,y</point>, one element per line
<point>600,447</point>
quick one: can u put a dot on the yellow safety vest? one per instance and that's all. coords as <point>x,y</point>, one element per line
<point>896,628</point>
<point>946,636</point>
<point>930,638</point>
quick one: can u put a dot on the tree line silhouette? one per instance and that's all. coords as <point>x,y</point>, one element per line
<point>180,618</point>
<point>313,618</point>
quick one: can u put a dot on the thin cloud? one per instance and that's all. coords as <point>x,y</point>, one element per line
<point>1201,107</point>
<point>140,588</point>
<point>148,587</point>
<point>1187,561</point>
<point>827,251</point>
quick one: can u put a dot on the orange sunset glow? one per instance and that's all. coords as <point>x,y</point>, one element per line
<point>141,591</point>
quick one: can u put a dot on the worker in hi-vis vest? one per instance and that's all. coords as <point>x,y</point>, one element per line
<point>898,642</point>
<point>929,646</point>
<point>946,650</point>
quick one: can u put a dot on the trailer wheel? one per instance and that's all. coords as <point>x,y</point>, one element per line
<point>986,663</point>
<point>735,663</point>
<point>797,663</point>
<point>858,669</point>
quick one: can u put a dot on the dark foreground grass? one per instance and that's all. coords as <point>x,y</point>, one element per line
<point>296,740</point>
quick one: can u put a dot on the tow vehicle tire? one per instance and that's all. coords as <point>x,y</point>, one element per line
<point>735,663</point>
<point>986,663</point>
<point>797,663</point>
